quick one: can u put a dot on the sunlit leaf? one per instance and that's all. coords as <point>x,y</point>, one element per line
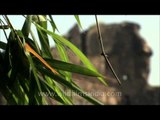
<point>27,26</point>
<point>72,68</point>
<point>29,69</point>
<point>78,20</point>
<point>82,57</point>
<point>64,82</point>
<point>54,27</point>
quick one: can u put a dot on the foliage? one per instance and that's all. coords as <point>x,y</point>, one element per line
<point>29,69</point>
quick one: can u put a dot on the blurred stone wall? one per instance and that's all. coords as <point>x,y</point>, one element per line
<point>129,54</point>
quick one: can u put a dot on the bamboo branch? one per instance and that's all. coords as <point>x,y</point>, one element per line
<point>103,51</point>
<point>12,28</point>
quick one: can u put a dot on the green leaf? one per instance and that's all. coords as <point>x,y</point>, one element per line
<point>56,92</point>
<point>70,45</point>
<point>72,68</point>
<point>38,18</point>
<point>64,57</point>
<point>61,49</point>
<point>54,27</point>
<point>78,20</point>
<point>35,42</point>
<point>7,93</point>
<point>43,38</point>
<point>13,97</point>
<point>73,87</point>
<point>34,71</point>
<point>3,45</point>
<point>18,91</point>
<point>27,26</point>
<point>25,84</point>
<point>64,41</point>
<point>25,76</point>
<point>48,92</point>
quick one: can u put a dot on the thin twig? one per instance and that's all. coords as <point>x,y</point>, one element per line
<point>103,51</point>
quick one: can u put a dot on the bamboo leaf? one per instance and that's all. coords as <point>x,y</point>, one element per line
<point>29,70</point>
<point>27,26</point>
<point>3,45</point>
<point>78,20</point>
<point>30,50</point>
<point>61,49</point>
<point>72,68</point>
<point>70,45</point>
<point>82,57</point>
<point>64,57</point>
<point>34,70</point>
<point>35,41</point>
<point>18,91</point>
<point>43,38</point>
<point>64,82</point>
<point>56,92</point>
<point>54,27</point>
<point>7,93</point>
